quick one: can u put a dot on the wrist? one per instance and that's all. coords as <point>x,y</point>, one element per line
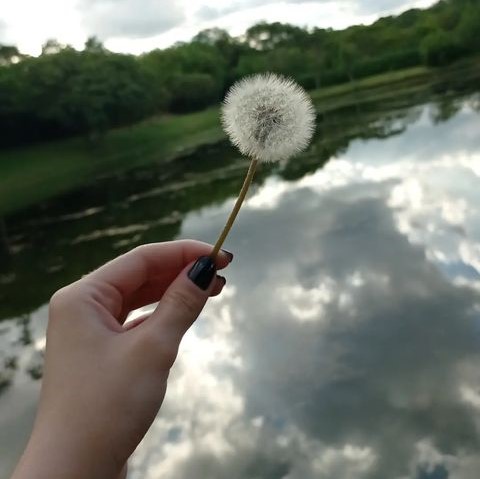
<point>51,456</point>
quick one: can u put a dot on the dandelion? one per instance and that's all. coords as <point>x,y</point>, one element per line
<point>268,118</point>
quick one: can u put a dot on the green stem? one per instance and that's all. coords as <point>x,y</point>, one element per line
<point>231,219</point>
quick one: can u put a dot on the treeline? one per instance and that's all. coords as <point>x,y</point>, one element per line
<point>66,92</point>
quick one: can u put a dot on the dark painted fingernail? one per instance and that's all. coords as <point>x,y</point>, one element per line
<point>202,272</point>
<point>229,255</point>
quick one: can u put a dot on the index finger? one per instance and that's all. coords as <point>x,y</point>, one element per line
<point>130,271</point>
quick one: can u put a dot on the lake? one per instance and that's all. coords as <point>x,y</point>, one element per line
<point>347,341</point>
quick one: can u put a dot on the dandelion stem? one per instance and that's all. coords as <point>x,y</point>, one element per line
<point>231,219</point>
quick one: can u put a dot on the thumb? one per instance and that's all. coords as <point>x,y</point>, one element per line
<point>182,302</point>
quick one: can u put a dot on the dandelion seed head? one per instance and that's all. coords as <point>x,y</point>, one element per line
<point>268,117</point>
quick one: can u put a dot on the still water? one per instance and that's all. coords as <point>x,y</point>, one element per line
<point>347,342</point>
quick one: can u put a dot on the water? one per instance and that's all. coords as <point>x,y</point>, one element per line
<point>347,341</point>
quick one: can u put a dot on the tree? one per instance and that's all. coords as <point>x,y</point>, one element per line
<point>94,45</point>
<point>439,48</point>
<point>66,92</point>
<point>85,92</point>
<point>252,62</point>
<point>51,47</point>
<point>318,54</point>
<point>228,47</point>
<point>187,66</point>
<point>468,28</point>
<point>9,54</point>
<point>193,91</point>
<point>109,90</point>
<point>215,37</point>
<point>267,36</point>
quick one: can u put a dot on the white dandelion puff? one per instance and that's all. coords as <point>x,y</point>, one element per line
<point>268,117</point>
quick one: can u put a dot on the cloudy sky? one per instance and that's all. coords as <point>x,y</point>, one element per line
<point>141,25</point>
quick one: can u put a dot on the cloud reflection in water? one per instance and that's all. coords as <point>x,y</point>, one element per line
<point>348,344</point>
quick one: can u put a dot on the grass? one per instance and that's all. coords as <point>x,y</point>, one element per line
<point>29,175</point>
<point>373,82</point>
<point>32,174</point>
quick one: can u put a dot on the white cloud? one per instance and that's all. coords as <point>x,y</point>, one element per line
<point>130,18</point>
<point>208,11</point>
<point>213,10</point>
<point>335,15</point>
<point>29,23</point>
<point>138,26</point>
<point>3,30</point>
<point>390,6</point>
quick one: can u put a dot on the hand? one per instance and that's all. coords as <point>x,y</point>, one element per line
<point>105,382</point>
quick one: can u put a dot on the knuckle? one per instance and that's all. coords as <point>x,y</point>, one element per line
<point>60,299</point>
<point>140,249</point>
<point>104,293</point>
<point>139,252</point>
<point>188,243</point>
<point>66,300</point>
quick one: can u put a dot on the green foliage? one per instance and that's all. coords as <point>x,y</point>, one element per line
<point>9,54</point>
<point>268,36</point>
<point>229,48</point>
<point>194,91</point>
<point>180,73</point>
<point>94,45</point>
<point>439,48</point>
<point>66,92</point>
<point>387,62</point>
<point>51,47</point>
<point>468,28</point>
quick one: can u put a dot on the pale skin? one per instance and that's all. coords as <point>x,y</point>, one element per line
<point>104,382</point>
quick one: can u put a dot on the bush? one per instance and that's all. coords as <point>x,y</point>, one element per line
<point>194,91</point>
<point>440,49</point>
<point>468,29</point>
<point>394,61</point>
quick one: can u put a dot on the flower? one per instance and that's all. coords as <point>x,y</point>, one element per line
<point>268,117</point>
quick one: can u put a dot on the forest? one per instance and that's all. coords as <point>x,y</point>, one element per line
<point>65,92</point>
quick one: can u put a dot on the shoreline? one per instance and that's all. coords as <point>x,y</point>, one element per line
<point>32,174</point>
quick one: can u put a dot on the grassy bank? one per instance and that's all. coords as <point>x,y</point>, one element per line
<point>32,174</point>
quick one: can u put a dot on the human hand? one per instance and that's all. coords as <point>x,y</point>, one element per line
<point>104,381</point>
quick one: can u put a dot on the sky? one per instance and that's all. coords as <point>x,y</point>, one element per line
<point>135,26</point>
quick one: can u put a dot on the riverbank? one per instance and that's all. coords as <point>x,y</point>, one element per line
<point>30,175</point>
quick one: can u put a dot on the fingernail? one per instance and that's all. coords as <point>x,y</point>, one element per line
<point>222,279</point>
<point>229,255</point>
<point>202,272</point>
